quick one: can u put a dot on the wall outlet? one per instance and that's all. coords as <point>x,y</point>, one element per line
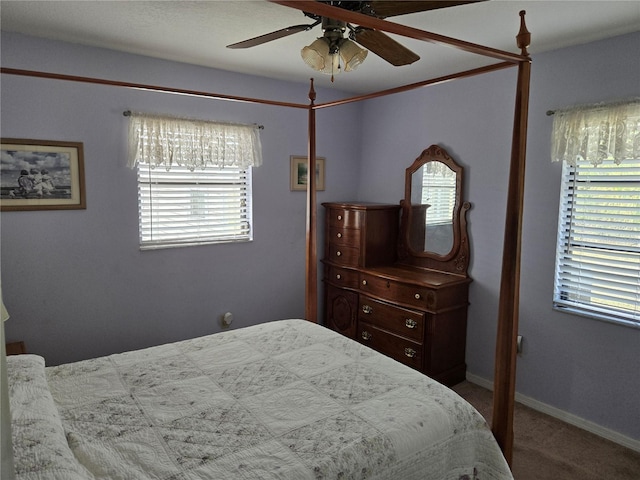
<point>227,318</point>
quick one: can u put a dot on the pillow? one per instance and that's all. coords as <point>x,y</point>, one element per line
<point>40,448</point>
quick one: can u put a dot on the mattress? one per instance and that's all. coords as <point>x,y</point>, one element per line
<point>287,399</point>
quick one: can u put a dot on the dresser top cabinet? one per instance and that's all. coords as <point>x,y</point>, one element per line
<point>360,234</point>
<point>395,276</point>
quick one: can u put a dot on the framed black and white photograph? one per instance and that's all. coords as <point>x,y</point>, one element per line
<point>41,175</point>
<point>299,174</point>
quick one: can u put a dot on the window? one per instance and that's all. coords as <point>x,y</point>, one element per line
<point>180,207</point>
<point>598,251</point>
<point>194,180</point>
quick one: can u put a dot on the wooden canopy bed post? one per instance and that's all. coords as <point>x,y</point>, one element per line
<point>506,340</point>
<point>311,292</point>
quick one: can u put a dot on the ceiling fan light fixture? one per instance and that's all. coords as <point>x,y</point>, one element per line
<point>318,57</point>
<point>351,54</point>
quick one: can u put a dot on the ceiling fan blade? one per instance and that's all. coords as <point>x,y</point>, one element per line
<point>285,32</point>
<point>383,9</point>
<point>385,47</point>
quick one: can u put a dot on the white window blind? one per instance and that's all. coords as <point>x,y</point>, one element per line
<point>194,180</point>
<point>598,252</point>
<point>180,207</point>
<point>439,192</point>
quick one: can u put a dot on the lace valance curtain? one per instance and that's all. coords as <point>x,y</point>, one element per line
<point>597,133</point>
<point>167,141</point>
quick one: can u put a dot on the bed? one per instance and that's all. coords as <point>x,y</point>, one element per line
<point>287,399</point>
<point>473,436</point>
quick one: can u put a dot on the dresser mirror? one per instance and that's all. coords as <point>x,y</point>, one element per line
<point>433,192</point>
<point>433,227</point>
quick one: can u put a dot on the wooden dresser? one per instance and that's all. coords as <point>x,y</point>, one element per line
<point>384,297</point>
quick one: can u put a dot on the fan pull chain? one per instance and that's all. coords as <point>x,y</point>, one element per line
<point>332,64</point>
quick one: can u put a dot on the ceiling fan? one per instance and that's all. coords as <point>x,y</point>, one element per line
<point>332,53</point>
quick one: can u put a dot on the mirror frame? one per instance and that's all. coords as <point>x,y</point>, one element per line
<point>457,260</point>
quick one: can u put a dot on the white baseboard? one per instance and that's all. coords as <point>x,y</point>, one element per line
<point>567,417</point>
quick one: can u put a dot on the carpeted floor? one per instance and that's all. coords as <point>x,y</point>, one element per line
<point>546,448</point>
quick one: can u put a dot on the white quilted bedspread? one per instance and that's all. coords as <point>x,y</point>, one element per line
<point>280,400</point>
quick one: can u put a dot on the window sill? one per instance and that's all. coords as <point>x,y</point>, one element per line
<point>191,244</point>
<point>596,316</point>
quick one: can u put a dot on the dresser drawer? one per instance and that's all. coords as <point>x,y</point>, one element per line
<point>413,295</point>
<point>344,236</point>
<point>341,277</point>
<point>398,348</point>
<point>344,254</point>
<point>405,322</point>
<point>345,218</point>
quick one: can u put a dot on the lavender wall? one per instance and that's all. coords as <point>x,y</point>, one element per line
<point>76,283</point>
<point>585,367</point>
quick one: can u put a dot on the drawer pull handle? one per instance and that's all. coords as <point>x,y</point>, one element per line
<point>338,253</point>
<point>410,352</point>
<point>417,295</point>
<point>366,335</point>
<point>339,217</point>
<point>338,276</point>
<point>410,323</point>
<point>364,282</point>
<point>339,235</point>
<point>368,309</point>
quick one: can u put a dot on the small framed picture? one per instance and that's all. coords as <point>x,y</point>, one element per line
<point>299,173</point>
<point>41,175</point>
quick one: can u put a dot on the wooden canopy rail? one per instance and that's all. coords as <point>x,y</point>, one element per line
<point>413,86</point>
<point>505,358</point>
<point>326,10</point>
<point>142,86</point>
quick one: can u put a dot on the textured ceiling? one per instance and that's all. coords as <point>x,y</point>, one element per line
<point>198,32</point>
